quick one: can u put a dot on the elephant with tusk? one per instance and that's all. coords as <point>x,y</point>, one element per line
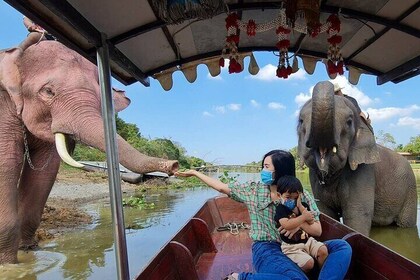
<point>352,177</point>
<point>50,98</point>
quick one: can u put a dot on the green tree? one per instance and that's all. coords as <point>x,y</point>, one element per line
<point>127,131</point>
<point>83,152</point>
<point>164,148</point>
<point>299,165</point>
<point>385,139</point>
<point>196,162</point>
<point>413,146</point>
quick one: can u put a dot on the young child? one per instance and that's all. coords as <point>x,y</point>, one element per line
<point>291,213</point>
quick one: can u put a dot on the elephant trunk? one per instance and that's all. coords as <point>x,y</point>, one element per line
<point>93,135</point>
<point>321,137</point>
<point>322,121</point>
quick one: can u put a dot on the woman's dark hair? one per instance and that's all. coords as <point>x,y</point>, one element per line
<point>289,184</point>
<point>284,163</point>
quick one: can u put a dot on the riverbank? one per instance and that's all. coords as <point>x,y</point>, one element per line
<point>72,190</point>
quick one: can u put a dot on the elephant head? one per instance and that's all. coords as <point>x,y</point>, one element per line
<point>55,92</point>
<point>331,133</point>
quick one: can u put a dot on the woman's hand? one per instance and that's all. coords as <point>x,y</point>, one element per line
<point>288,233</point>
<point>186,173</point>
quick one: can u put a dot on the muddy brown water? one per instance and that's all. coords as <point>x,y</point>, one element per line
<point>88,252</point>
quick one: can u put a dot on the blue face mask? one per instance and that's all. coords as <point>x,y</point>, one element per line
<point>290,203</point>
<point>267,177</point>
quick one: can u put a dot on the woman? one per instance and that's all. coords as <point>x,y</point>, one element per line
<point>268,260</point>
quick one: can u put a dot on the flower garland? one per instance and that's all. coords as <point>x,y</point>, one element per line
<point>283,29</point>
<point>335,63</point>
<point>283,69</point>
<point>232,41</point>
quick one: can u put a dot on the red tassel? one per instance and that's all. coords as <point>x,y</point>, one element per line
<point>222,62</point>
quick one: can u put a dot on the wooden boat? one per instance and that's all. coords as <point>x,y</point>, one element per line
<point>200,251</point>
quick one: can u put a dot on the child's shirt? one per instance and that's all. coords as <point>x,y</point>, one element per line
<point>283,212</point>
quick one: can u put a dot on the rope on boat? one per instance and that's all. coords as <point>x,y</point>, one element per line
<point>233,227</point>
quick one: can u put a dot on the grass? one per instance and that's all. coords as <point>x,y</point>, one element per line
<point>415,165</point>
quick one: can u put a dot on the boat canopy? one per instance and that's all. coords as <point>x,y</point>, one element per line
<point>155,38</point>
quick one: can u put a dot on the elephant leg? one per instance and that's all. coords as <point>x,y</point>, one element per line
<point>358,214</point>
<point>34,188</point>
<point>408,215</point>
<point>10,168</point>
<point>328,211</point>
<point>9,222</point>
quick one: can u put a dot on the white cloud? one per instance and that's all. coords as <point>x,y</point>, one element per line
<point>255,104</point>
<point>353,91</point>
<point>276,106</point>
<point>207,114</point>
<point>268,73</point>
<point>224,108</point>
<point>234,107</point>
<point>408,121</point>
<point>220,109</point>
<point>299,75</point>
<point>390,112</point>
<point>301,98</point>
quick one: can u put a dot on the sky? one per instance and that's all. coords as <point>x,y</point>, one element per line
<point>237,118</point>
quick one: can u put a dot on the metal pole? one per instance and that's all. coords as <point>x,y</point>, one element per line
<point>108,115</point>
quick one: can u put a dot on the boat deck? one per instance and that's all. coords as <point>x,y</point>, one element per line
<point>233,251</point>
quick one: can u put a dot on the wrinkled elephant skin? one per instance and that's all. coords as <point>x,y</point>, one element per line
<point>46,89</point>
<point>352,177</point>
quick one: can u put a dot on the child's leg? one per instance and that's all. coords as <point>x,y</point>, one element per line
<point>317,250</point>
<point>298,254</point>
<point>307,267</point>
<point>322,255</point>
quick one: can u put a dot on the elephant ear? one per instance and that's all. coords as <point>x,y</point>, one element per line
<point>10,77</point>
<point>364,148</point>
<point>120,100</point>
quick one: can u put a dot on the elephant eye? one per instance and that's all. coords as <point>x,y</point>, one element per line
<point>48,92</point>
<point>349,122</point>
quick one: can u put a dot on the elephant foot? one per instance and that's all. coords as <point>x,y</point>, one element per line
<point>29,245</point>
<point>8,257</point>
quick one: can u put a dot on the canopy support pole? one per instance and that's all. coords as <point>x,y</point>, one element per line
<point>108,116</point>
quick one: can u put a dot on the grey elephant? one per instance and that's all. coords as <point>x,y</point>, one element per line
<point>50,98</point>
<point>351,176</point>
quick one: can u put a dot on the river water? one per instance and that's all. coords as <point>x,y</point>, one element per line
<point>88,253</point>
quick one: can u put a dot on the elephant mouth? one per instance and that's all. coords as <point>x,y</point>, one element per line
<point>60,143</point>
<point>323,157</point>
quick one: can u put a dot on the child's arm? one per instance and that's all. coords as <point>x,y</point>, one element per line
<point>313,229</point>
<point>293,223</point>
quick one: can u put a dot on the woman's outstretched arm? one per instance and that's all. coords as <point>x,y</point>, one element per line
<point>211,182</point>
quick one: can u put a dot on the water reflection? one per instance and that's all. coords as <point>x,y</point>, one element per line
<point>88,253</point>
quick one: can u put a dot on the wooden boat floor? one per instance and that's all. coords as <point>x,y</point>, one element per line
<point>233,255</point>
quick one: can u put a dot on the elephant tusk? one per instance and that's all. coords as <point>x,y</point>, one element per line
<point>334,150</point>
<point>60,143</point>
